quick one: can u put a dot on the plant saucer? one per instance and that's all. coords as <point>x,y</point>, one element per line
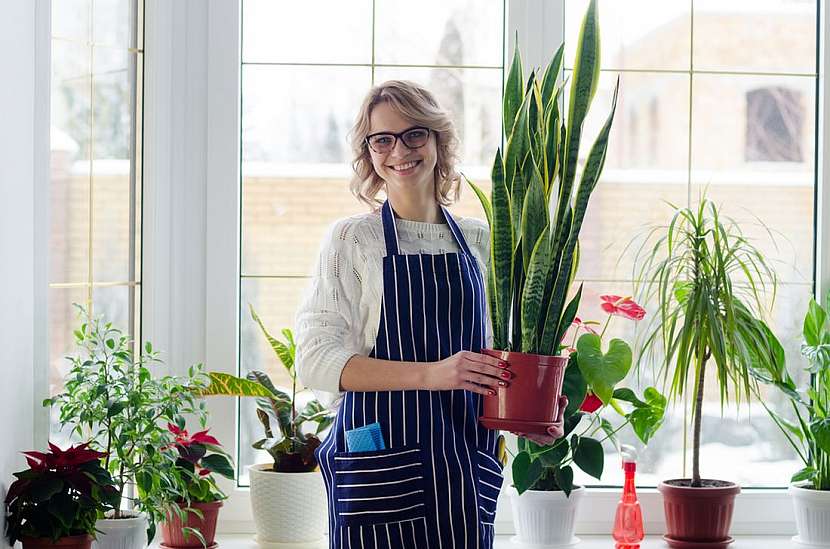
<point>684,544</point>
<point>213,545</point>
<point>524,545</point>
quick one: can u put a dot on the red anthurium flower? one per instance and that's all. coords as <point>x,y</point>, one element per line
<point>591,404</point>
<point>586,325</point>
<point>622,306</point>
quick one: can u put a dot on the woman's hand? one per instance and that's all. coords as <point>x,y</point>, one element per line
<point>467,370</point>
<point>555,431</point>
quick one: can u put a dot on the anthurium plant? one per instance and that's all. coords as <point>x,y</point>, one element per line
<point>810,434</point>
<point>62,493</point>
<point>590,385</point>
<point>289,442</point>
<point>538,203</point>
<point>118,401</point>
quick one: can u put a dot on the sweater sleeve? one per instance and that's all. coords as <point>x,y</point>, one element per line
<point>327,325</point>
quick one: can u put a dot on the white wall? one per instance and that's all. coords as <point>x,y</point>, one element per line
<point>19,271</point>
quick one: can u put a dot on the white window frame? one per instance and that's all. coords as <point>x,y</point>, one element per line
<point>191,229</point>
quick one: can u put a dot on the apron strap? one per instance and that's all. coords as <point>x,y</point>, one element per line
<point>390,231</point>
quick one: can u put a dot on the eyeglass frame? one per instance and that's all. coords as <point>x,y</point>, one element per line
<point>398,136</point>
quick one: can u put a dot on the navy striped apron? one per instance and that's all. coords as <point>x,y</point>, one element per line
<point>436,484</point>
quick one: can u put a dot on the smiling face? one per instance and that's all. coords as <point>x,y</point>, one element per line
<point>404,170</point>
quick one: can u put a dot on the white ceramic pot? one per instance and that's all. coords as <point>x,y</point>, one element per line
<point>545,519</point>
<point>290,509</point>
<point>812,516</point>
<point>123,533</point>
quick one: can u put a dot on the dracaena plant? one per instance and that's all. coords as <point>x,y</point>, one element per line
<point>708,282</point>
<point>117,400</point>
<point>287,440</point>
<point>590,384</point>
<point>62,493</point>
<point>810,434</point>
<point>538,203</point>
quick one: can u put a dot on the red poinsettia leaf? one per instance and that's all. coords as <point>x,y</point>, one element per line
<point>175,429</point>
<point>204,472</point>
<point>203,438</point>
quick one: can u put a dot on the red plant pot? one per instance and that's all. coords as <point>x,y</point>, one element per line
<point>701,516</point>
<point>171,529</point>
<point>83,541</point>
<point>530,402</point>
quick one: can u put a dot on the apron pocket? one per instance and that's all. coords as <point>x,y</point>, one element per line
<point>489,485</point>
<point>380,486</point>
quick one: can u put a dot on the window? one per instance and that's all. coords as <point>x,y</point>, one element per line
<point>727,95</point>
<point>295,153</point>
<point>95,183</point>
<point>774,125</point>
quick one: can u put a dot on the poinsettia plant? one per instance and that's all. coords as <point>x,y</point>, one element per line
<point>200,455</point>
<point>590,385</point>
<point>62,493</point>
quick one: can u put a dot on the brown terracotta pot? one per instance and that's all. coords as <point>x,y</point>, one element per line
<point>171,529</point>
<point>83,541</point>
<point>700,515</point>
<point>530,402</point>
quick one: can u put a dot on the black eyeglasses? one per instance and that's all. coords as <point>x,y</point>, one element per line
<point>413,138</point>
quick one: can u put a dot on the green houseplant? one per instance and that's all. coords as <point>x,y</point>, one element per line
<point>543,476</point>
<point>708,281</point>
<point>809,434</point>
<point>114,399</point>
<point>535,213</point>
<point>188,505</point>
<point>291,436</point>
<point>58,499</point>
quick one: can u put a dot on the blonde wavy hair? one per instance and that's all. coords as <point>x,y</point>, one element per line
<point>419,105</point>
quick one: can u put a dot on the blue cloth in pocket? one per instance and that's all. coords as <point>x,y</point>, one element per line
<point>365,439</point>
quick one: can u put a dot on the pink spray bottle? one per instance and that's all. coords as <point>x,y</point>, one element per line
<point>628,523</point>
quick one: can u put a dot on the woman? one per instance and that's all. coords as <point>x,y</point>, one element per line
<point>392,326</point>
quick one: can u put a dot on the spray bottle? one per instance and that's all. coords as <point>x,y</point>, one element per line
<point>628,524</point>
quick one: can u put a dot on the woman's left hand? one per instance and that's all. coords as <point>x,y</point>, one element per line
<point>555,431</point>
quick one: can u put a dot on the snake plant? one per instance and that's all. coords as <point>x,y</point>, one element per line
<point>538,204</point>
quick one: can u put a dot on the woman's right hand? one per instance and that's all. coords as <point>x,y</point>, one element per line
<point>474,372</point>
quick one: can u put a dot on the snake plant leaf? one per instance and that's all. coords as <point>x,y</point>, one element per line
<point>502,243</point>
<point>552,73</point>
<point>482,198</point>
<point>534,216</point>
<point>513,91</point>
<point>551,147</point>
<point>531,302</point>
<point>230,385</point>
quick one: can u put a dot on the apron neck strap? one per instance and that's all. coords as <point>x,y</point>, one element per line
<point>390,231</point>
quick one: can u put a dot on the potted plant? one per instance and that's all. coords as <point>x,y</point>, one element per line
<point>188,505</point>
<point>114,399</point>
<point>810,434</point>
<point>299,514</point>
<point>57,500</point>
<point>535,215</point>
<point>544,498</point>
<point>708,282</point>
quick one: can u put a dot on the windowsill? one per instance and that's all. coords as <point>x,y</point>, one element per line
<point>244,541</point>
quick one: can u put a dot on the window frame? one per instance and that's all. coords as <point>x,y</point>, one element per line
<point>206,283</point>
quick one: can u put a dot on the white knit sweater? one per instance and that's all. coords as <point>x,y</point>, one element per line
<point>340,313</point>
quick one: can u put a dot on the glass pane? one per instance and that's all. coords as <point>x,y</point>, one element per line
<point>114,214</point>
<point>342,31</point>
<point>114,22</point>
<point>473,97</point>
<point>117,305</point>
<point>275,301</point>
<point>646,164</point>
<point>743,445</point>
<point>639,34</point>
<point>436,32</point>
<point>753,146</point>
<point>70,20</point>
<point>290,116</point>
<point>777,35</point>
<point>285,219</point>
<point>70,150</point>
